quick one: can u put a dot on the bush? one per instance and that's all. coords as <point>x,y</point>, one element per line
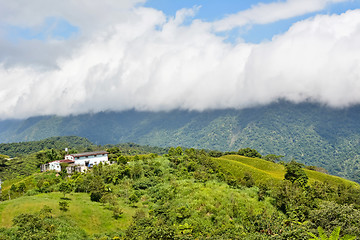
<point>248,152</point>
<point>64,206</point>
<point>117,212</point>
<point>95,196</point>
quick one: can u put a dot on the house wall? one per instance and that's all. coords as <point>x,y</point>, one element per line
<point>75,168</point>
<point>91,160</point>
<point>55,166</point>
<point>69,157</point>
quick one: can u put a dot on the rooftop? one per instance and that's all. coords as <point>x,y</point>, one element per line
<point>63,161</point>
<point>88,154</point>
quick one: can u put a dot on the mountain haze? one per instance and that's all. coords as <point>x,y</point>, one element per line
<point>310,133</point>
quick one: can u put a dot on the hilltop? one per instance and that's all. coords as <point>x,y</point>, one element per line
<point>309,133</point>
<point>184,194</point>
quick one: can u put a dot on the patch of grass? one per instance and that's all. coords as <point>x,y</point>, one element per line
<point>87,215</point>
<point>271,173</point>
<point>262,171</point>
<point>333,180</point>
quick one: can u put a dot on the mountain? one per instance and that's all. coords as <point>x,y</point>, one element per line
<point>310,133</point>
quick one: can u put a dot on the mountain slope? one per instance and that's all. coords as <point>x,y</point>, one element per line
<point>312,134</point>
<point>265,172</point>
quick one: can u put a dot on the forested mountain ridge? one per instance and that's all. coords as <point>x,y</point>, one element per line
<point>310,133</point>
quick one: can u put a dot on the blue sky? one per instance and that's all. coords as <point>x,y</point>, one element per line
<point>52,27</point>
<point>210,10</point>
<point>72,57</point>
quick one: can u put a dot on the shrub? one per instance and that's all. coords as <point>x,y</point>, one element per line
<point>95,196</point>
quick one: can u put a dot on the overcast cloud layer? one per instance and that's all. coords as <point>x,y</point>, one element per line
<point>127,56</point>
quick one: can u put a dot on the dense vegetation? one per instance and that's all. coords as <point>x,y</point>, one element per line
<point>14,149</point>
<point>25,158</point>
<point>184,194</point>
<point>312,134</point>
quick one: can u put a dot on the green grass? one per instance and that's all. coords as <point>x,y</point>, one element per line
<point>271,173</point>
<point>262,171</point>
<point>87,215</point>
<point>333,180</point>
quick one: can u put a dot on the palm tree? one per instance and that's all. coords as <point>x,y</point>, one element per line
<point>335,235</point>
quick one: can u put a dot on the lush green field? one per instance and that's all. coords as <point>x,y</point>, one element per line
<point>90,216</point>
<point>271,173</point>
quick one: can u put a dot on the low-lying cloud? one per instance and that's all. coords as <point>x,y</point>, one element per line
<point>145,60</point>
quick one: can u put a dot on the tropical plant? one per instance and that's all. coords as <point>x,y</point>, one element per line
<point>335,235</point>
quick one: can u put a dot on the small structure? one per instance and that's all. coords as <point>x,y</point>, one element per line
<point>54,165</point>
<point>78,162</point>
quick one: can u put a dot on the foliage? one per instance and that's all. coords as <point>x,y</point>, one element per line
<point>63,206</point>
<point>307,132</point>
<point>330,215</point>
<point>248,152</point>
<point>95,196</point>
<point>117,212</point>
<point>21,148</point>
<point>273,157</point>
<point>335,235</point>
<point>189,194</point>
<point>295,173</point>
<point>65,187</point>
<point>41,225</point>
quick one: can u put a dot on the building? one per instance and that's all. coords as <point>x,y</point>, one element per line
<point>88,159</point>
<point>78,162</point>
<point>54,165</point>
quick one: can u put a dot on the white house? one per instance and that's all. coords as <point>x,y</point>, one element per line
<point>88,159</point>
<point>78,162</point>
<point>55,165</point>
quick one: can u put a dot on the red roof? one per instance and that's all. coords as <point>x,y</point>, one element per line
<point>88,154</point>
<point>63,161</point>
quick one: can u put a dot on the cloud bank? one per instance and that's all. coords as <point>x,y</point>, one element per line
<point>126,56</point>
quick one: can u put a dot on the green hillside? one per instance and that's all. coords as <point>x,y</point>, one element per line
<point>265,172</point>
<point>185,194</point>
<point>14,149</point>
<point>89,216</point>
<point>310,133</point>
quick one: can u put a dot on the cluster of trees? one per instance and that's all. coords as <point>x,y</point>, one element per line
<point>185,195</point>
<point>41,225</point>
<point>24,148</point>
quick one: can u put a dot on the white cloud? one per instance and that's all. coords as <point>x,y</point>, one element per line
<point>317,59</point>
<point>271,12</point>
<point>147,61</point>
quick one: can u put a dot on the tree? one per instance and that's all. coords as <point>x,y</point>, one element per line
<point>13,188</point>
<point>248,152</point>
<point>273,158</point>
<point>22,187</point>
<point>133,199</point>
<point>295,173</point>
<point>64,206</point>
<point>65,187</point>
<point>121,160</point>
<point>117,212</point>
<point>248,180</point>
<point>34,226</point>
<point>330,215</point>
<point>96,196</point>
